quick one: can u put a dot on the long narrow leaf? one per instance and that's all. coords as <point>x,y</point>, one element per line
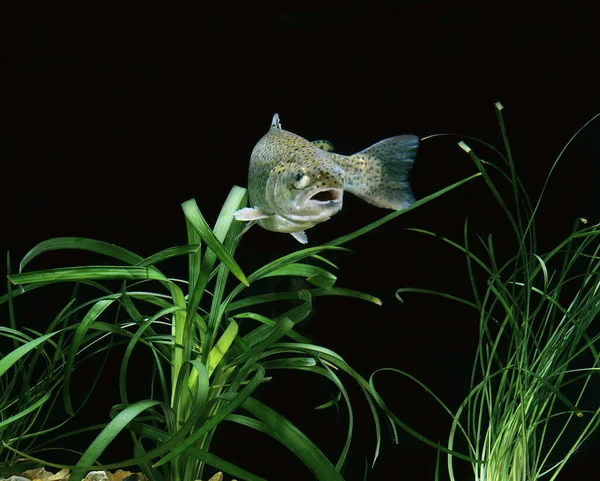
<point>315,275</point>
<point>193,215</point>
<point>25,411</point>
<point>374,225</point>
<point>274,334</point>
<point>72,274</point>
<point>295,440</point>
<point>222,346</point>
<point>235,400</point>
<point>108,434</point>
<point>12,357</point>
<point>222,465</point>
<point>336,291</point>
<point>81,243</point>
<point>76,343</point>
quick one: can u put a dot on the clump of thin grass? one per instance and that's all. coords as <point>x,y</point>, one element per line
<point>26,396</point>
<point>31,376</point>
<point>530,406</point>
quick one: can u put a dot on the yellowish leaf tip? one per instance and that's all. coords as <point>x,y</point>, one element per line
<point>499,106</point>
<point>583,220</point>
<point>464,146</point>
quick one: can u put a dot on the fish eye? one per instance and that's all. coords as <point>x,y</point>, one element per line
<point>300,180</point>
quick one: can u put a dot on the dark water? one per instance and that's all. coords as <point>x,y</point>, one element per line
<point>113,117</point>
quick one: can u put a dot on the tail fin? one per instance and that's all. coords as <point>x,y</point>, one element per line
<point>379,174</point>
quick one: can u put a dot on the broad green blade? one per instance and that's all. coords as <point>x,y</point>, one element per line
<point>295,440</point>
<point>193,215</point>
<point>190,393</point>
<point>289,363</point>
<point>194,259</point>
<point>235,400</point>
<point>73,274</point>
<point>82,243</point>
<point>224,232</point>
<point>271,336</point>
<point>178,325</point>
<point>270,322</point>
<point>169,253</point>
<point>222,465</point>
<point>335,291</point>
<point>315,275</point>
<point>286,260</point>
<point>236,198</point>
<point>222,346</point>
<point>108,434</point>
<point>324,354</point>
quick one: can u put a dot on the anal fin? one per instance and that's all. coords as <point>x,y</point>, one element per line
<point>300,236</point>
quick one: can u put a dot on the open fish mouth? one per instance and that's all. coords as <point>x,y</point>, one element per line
<point>327,196</point>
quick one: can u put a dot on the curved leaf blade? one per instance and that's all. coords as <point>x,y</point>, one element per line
<point>195,218</point>
<point>12,357</point>
<point>82,243</point>
<point>294,439</point>
<point>108,434</point>
<point>74,274</point>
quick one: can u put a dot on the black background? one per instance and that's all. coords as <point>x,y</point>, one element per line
<point>113,116</point>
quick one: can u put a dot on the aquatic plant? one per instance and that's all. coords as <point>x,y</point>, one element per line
<point>209,353</point>
<point>30,375</point>
<point>530,406</point>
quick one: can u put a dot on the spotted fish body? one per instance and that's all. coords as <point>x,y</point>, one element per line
<point>294,184</point>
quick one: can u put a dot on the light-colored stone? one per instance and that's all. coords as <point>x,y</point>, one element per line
<point>96,476</point>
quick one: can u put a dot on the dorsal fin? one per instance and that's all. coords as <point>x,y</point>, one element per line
<point>276,123</point>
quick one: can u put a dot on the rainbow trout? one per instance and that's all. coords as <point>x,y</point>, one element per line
<point>294,184</point>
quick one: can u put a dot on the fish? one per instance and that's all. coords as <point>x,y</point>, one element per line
<point>295,184</point>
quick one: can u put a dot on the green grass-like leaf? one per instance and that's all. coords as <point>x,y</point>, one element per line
<point>193,215</point>
<point>117,425</point>
<point>73,274</point>
<point>290,436</point>
<point>535,312</point>
<point>14,356</point>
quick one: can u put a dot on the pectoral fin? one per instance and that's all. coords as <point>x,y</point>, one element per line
<point>248,214</point>
<point>300,236</point>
